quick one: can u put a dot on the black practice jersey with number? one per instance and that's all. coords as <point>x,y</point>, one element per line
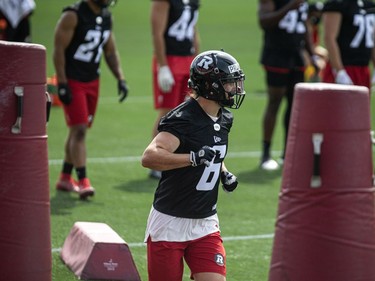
<point>356,34</point>
<point>84,52</point>
<point>179,34</point>
<point>287,39</point>
<point>191,192</point>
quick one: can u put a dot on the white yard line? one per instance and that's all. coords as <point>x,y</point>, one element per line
<point>229,238</point>
<point>244,154</point>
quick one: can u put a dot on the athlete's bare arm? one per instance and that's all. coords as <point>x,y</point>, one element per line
<point>331,26</point>
<point>196,41</point>
<point>64,32</point>
<point>159,154</point>
<point>159,21</point>
<point>112,57</point>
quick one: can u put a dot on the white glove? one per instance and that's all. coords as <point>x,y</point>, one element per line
<point>165,78</point>
<point>343,78</point>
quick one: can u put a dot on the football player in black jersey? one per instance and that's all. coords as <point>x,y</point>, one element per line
<point>176,43</point>
<point>286,39</point>
<point>349,38</point>
<point>83,33</point>
<point>189,150</point>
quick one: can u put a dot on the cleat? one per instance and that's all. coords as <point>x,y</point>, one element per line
<point>269,165</point>
<point>85,189</point>
<point>67,184</point>
<point>155,174</point>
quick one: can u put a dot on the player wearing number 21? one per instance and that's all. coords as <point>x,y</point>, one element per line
<point>175,42</point>
<point>83,33</point>
<point>349,38</point>
<point>190,149</point>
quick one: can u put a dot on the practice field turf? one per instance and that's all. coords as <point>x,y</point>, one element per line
<point>120,133</point>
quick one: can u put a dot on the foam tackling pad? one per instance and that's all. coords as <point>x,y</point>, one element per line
<point>94,250</point>
<point>325,227</point>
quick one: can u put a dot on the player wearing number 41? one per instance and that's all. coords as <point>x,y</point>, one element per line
<point>349,38</point>
<point>83,33</point>
<point>190,149</point>
<point>175,42</point>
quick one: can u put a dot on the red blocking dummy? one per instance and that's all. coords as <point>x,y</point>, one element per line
<point>325,228</point>
<point>25,243</point>
<point>94,251</point>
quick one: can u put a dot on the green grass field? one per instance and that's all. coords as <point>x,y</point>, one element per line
<point>120,133</point>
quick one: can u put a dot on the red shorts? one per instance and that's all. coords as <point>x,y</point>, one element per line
<point>165,259</point>
<point>84,102</point>
<point>180,68</point>
<point>360,75</point>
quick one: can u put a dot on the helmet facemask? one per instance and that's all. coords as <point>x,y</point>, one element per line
<point>231,91</point>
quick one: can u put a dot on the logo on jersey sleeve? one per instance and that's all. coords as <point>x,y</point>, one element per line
<point>177,114</point>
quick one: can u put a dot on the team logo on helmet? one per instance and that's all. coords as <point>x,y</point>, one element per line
<point>204,64</point>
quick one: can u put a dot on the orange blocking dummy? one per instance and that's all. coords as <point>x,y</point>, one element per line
<point>25,243</point>
<point>325,228</point>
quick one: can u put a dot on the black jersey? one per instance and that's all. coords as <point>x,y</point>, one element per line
<point>179,34</point>
<point>356,35</point>
<point>282,45</point>
<point>84,52</point>
<point>191,192</point>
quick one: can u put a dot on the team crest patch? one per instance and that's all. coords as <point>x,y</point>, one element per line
<point>219,259</point>
<point>205,64</point>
